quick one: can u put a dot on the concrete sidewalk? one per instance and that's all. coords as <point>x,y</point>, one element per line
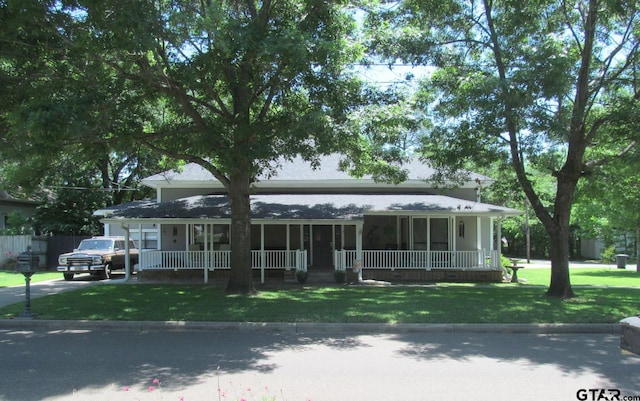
<point>316,328</point>
<point>540,263</point>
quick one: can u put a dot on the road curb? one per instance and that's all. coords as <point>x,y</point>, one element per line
<point>309,328</point>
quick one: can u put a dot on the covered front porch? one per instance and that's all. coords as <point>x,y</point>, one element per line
<point>411,248</point>
<point>410,237</point>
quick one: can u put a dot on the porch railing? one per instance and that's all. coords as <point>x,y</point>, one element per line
<point>422,260</point>
<point>343,259</point>
<point>220,260</point>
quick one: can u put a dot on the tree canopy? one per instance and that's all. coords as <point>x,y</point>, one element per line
<point>534,83</point>
<point>231,85</point>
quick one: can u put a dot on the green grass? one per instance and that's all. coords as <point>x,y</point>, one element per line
<point>580,276</point>
<point>607,302</point>
<point>9,279</point>
<point>431,304</point>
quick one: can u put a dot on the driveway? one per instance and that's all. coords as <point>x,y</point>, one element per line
<point>12,295</point>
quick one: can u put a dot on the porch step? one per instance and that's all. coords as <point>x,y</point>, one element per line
<point>316,277</point>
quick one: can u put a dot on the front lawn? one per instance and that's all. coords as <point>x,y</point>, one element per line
<point>581,276</point>
<point>395,304</point>
<point>606,301</point>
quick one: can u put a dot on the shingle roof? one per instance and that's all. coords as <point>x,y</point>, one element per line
<point>105,211</point>
<point>310,206</point>
<point>295,170</point>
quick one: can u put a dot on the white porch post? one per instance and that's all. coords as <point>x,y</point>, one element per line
<point>499,243</point>
<point>139,248</point>
<point>428,233</point>
<point>452,233</point>
<point>310,261</point>
<point>332,244</point>
<point>287,256</point>
<point>482,259</point>
<point>262,253</point>
<point>453,245</point>
<point>127,254</point>
<point>206,252</point>
<point>359,230</point>
<point>491,244</point>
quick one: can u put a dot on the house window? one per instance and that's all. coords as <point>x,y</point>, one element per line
<point>149,238</point>
<point>215,234</point>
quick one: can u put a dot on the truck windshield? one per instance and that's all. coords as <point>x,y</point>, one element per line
<point>95,244</point>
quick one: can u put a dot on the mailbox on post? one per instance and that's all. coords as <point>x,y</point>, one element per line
<point>27,265</point>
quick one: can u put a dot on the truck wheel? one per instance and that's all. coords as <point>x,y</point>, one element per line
<point>68,276</point>
<point>107,271</point>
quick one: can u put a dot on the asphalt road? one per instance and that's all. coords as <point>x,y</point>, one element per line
<point>264,365</point>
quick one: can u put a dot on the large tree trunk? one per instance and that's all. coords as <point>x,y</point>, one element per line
<point>240,277</point>
<point>560,285</point>
<point>558,230</point>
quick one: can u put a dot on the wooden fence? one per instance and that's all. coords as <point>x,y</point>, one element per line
<point>47,248</point>
<point>11,246</point>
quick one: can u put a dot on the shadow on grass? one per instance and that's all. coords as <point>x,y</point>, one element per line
<point>463,304</point>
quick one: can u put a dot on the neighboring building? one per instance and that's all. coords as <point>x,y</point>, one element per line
<point>591,248</point>
<point>10,204</point>
<point>319,220</point>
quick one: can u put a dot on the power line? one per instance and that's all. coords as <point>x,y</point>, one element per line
<point>91,188</point>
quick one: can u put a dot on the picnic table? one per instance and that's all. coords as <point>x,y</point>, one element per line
<point>515,267</point>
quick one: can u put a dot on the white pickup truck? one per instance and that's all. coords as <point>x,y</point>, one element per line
<point>98,256</point>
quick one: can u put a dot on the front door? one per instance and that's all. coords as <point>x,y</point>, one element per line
<point>323,246</point>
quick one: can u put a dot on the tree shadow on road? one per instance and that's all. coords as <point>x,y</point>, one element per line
<point>64,362</point>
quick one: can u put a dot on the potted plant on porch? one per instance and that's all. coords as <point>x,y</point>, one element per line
<point>339,276</point>
<point>301,276</point>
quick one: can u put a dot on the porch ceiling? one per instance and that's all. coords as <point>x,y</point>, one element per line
<point>309,207</point>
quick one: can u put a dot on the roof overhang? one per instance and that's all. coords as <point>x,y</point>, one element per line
<point>307,207</point>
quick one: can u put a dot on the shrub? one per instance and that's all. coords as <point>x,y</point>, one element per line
<point>301,276</point>
<point>608,254</point>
